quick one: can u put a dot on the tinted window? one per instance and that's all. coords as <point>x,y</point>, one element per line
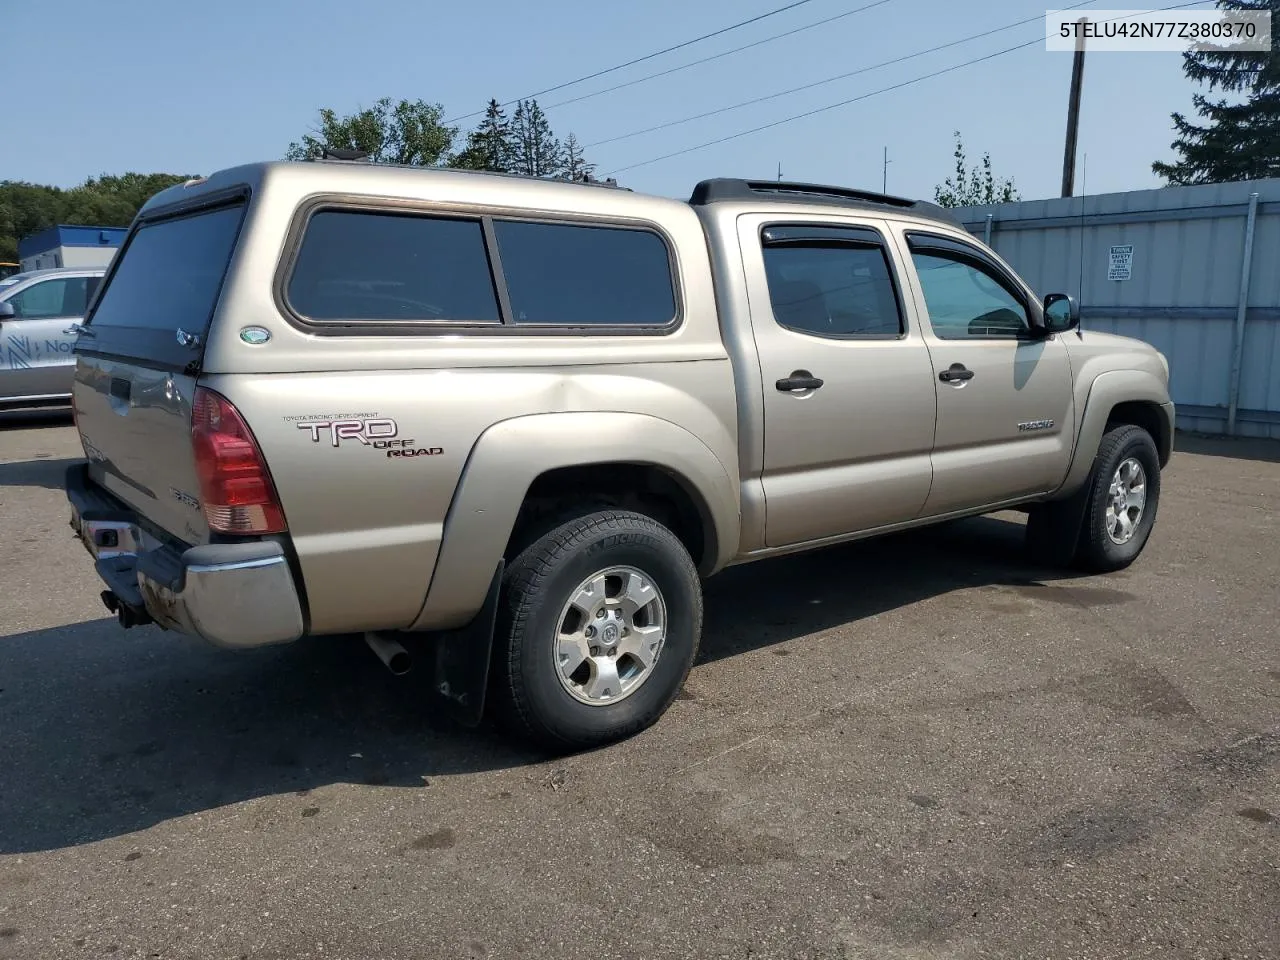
<point>170,273</point>
<point>579,276</point>
<point>389,267</point>
<point>832,289</point>
<point>965,301</point>
<point>64,297</point>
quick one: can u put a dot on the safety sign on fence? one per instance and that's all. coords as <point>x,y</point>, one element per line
<point>1121,262</point>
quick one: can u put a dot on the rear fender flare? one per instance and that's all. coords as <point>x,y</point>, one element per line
<point>510,455</point>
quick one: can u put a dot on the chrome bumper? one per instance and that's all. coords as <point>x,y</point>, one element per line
<point>230,594</point>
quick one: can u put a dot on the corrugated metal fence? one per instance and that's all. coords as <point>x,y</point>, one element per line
<point>1167,266</point>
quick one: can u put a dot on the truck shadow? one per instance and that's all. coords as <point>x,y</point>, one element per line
<point>47,472</point>
<point>103,732</point>
<point>807,593</point>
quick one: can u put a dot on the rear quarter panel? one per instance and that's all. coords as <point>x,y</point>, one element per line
<point>368,528</point>
<point>368,523</point>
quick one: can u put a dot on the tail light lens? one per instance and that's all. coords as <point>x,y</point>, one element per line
<point>235,486</point>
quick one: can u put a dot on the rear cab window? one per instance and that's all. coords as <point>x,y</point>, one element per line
<point>363,271</point>
<point>167,278</point>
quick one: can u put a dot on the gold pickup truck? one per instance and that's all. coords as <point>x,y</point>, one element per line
<point>514,423</point>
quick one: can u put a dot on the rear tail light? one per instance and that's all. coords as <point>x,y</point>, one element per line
<point>235,486</point>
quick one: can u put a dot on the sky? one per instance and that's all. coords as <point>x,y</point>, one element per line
<point>149,86</point>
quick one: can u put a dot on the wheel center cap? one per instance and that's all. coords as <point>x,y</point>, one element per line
<point>609,634</point>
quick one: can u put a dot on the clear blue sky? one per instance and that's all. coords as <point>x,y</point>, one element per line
<point>149,86</point>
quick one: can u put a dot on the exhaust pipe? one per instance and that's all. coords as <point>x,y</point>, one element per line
<point>395,657</point>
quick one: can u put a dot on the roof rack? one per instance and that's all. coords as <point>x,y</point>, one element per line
<point>725,189</point>
<point>343,154</point>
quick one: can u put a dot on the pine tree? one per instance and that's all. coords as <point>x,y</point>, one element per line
<point>535,151</point>
<point>488,145</point>
<point>1238,141</point>
<point>575,165</point>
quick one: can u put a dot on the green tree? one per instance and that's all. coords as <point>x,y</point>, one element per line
<point>1238,140</point>
<point>974,187</point>
<point>26,208</point>
<point>535,151</point>
<point>407,132</point>
<point>575,165</point>
<point>105,201</point>
<point>489,145</point>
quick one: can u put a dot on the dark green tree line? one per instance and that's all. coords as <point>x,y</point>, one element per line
<point>404,132</point>
<point>414,133</point>
<point>105,201</point>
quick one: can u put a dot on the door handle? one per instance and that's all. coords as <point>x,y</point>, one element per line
<point>956,373</point>
<point>799,380</point>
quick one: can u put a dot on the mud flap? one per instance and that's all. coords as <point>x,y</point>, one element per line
<point>1054,528</point>
<point>462,659</point>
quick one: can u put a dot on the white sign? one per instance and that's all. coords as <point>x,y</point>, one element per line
<point>1121,262</point>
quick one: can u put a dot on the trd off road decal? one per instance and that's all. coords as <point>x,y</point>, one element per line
<point>378,433</point>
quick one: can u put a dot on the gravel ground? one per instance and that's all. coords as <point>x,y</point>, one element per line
<point>917,747</point>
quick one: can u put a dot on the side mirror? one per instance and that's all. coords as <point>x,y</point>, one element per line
<point>7,312</point>
<point>1061,313</point>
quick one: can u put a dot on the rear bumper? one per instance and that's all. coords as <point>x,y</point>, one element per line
<point>230,594</point>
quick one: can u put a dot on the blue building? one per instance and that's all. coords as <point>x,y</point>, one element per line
<point>67,246</point>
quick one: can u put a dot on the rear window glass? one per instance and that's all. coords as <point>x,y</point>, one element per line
<point>171,272</point>
<point>580,276</point>
<point>388,267</point>
<point>832,290</point>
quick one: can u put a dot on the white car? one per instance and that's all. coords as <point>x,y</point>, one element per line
<point>37,310</point>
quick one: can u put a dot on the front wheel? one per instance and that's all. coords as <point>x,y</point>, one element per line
<point>599,626</point>
<point>1124,492</point>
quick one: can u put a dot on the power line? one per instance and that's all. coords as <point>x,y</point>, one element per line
<point>819,83</point>
<point>649,56</point>
<point>831,106</point>
<point>718,56</point>
<point>865,96</point>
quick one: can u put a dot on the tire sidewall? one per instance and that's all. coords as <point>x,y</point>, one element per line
<point>1138,445</point>
<point>668,567</point>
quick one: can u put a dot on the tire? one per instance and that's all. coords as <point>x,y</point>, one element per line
<point>1098,551</point>
<point>596,556</point>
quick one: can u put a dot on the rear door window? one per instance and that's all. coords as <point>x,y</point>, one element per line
<point>831,282</point>
<point>576,275</point>
<point>382,267</point>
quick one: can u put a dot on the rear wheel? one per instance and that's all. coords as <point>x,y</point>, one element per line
<point>599,625</point>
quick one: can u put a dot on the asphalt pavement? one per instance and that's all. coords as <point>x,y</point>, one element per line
<point>915,747</point>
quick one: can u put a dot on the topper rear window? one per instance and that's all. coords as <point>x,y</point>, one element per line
<point>170,273</point>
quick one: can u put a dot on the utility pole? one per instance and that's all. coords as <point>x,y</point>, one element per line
<point>779,171</point>
<point>1073,113</point>
<point>884,180</point>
